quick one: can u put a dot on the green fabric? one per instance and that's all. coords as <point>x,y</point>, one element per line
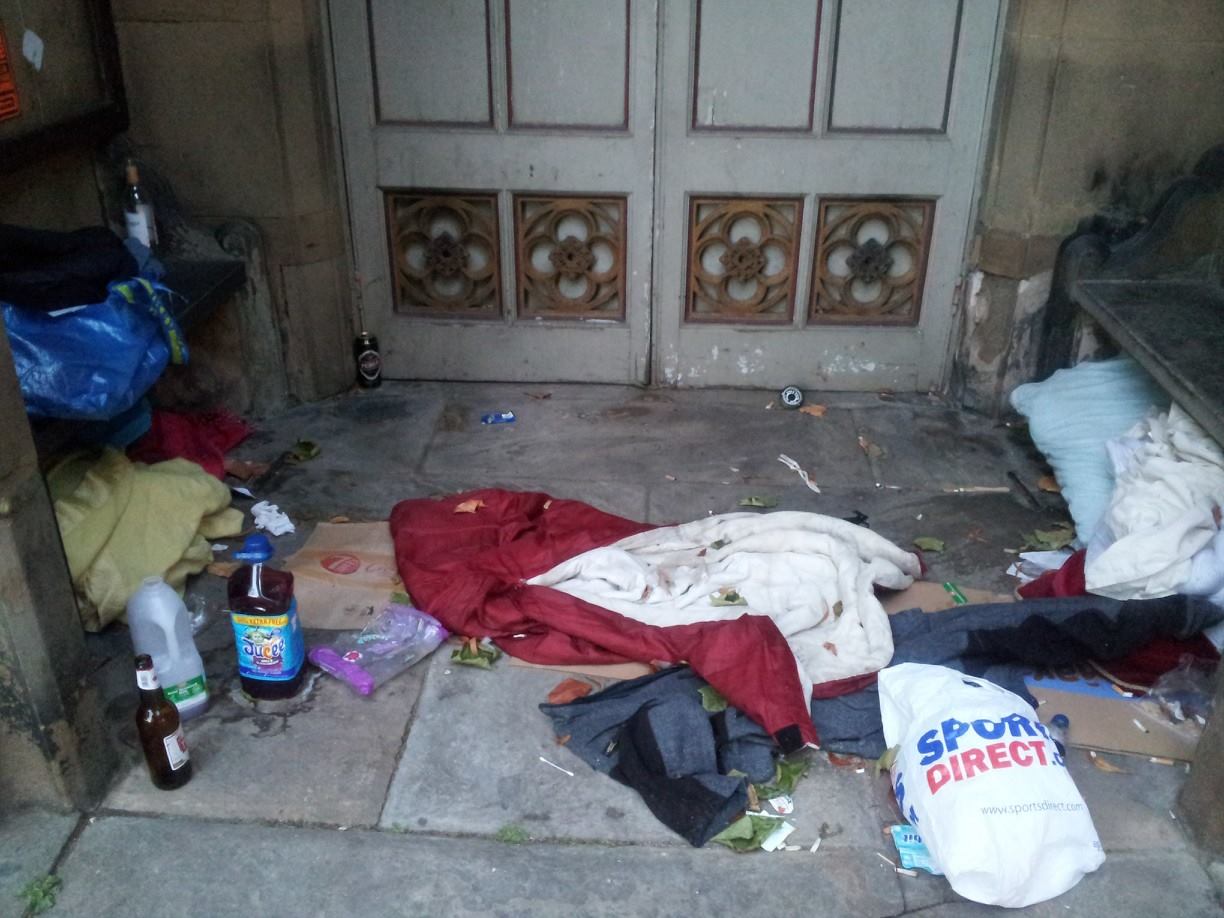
<point>122,521</point>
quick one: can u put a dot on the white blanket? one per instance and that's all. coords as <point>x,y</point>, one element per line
<point>1161,533</point>
<point>813,575</point>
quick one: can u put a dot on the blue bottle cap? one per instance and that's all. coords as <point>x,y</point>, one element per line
<point>255,548</point>
<point>1060,720</point>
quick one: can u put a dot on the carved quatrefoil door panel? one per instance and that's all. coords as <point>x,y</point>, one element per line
<point>684,192</point>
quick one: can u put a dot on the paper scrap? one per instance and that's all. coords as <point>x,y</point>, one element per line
<point>784,804</point>
<point>815,846</point>
<point>32,48</point>
<point>269,517</point>
<point>795,467</point>
<point>777,838</point>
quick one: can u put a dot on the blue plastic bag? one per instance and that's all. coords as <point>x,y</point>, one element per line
<point>94,362</point>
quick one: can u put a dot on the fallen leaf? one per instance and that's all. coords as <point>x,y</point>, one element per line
<point>562,740</point>
<point>886,395</point>
<point>245,470</point>
<point>223,568</point>
<point>711,699</point>
<point>469,506</point>
<point>568,690</point>
<point>754,799</point>
<point>871,449</point>
<point>303,451</point>
<point>747,833</point>
<point>339,519</point>
<point>830,647</point>
<point>1060,536</point>
<point>885,762</point>
<point>474,652</point>
<point>727,596</point>
<point>929,543</point>
<point>719,543</point>
<point>538,396</point>
<point>975,534</point>
<point>838,608</point>
<point>758,501</point>
<point>1107,766</point>
<point>845,761</point>
<point>816,411</point>
<point>786,775</point>
<point>1049,483</point>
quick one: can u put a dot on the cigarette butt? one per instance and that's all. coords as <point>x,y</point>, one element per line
<point>1135,721</point>
<point>906,872</point>
<point>886,860</point>
<point>1161,760</point>
<point>556,766</point>
<point>815,846</point>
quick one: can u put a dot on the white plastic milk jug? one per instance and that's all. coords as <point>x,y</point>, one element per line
<point>161,628</point>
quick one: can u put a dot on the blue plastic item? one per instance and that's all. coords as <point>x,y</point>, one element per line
<point>94,362</point>
<point>256,549</point>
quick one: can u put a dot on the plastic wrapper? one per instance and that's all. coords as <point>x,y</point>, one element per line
<point>1186,693</point>
<point>399,637</point>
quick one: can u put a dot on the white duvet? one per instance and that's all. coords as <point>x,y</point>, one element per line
<point>813,575</point>
<point>1161,532</point>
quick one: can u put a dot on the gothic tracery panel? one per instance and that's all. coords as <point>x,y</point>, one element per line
<point>444,253</point>
<point>742,258</point>
<point>871,258</point>
<point>571,256</point>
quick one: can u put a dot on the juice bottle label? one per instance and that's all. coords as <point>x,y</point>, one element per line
<point>184,693</point>
<point>270,647</point>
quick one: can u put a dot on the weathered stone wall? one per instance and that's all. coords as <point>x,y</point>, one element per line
<point>1101,103</point>
<point>229,103</point>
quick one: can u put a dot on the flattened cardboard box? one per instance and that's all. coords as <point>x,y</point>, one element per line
<point>344,574</point>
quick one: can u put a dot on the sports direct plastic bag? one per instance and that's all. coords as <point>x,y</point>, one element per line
<point>980,778</point>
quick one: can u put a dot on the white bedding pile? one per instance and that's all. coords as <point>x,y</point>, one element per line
<point>813,575</point>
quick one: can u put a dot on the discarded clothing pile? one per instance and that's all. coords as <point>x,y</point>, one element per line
<point>122,521</point>
<point>762,606</point>
<point>1144,484</point>
<point>1002,643</point>
<point>654,735</point>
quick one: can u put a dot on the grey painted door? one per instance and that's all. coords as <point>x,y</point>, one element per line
<point>499,161</point>
<point>816,170</point>
<point>697,192</point>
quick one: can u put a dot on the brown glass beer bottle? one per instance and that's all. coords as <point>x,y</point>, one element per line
<point>161,734</point>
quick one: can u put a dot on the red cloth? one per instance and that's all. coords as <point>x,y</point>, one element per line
<point>1068,580</point>
<point>468,571</point>
<point>203,438</point>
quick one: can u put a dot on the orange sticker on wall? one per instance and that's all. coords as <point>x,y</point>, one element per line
<point>10,105</point>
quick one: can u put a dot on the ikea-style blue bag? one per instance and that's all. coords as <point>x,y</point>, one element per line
<point>94,362</point>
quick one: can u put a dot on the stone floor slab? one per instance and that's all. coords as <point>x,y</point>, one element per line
<point>1131,811</point>
<point>938,447</point>
<point>326,757</point>
<point>639,435</point>
<point>1153,884</point>
<point>471,765</point>
<point>295,871</point>
<point>30,841</point>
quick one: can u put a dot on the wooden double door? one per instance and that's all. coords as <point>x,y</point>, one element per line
<point>684,192</point>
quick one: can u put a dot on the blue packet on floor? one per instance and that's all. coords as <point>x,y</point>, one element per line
<point>912,853</point>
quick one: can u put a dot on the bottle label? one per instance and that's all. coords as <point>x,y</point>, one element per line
<point>184,693</point>
<point>176,749</point>
<point>138,224</point>
<point>369,365</point>
<point>146,679</point>
<point>270,647</point>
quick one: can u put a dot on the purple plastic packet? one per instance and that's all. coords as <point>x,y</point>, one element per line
<point>399,637</point>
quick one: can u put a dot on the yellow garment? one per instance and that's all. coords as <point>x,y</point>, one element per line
<point>122,521</point>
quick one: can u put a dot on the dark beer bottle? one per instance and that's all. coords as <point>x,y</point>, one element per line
<point>161,734</point>
<point>369,361</point>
